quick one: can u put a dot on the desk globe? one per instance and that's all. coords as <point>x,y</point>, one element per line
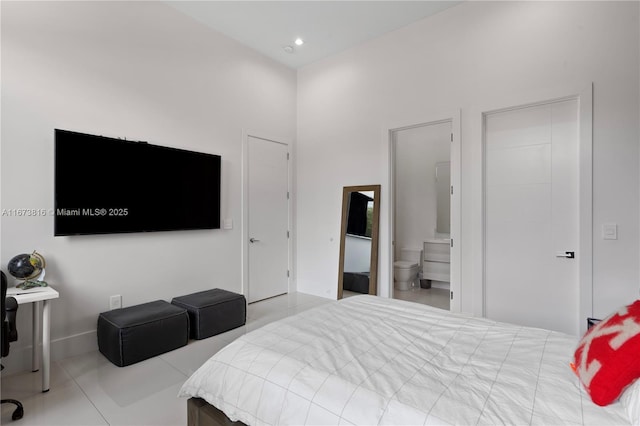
<point>28,267</point>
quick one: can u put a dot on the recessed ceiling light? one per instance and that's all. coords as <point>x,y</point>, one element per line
<point>299,42</point>
<point>288,49</point>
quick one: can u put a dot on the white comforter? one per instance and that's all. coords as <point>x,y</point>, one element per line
<point>368,360</point>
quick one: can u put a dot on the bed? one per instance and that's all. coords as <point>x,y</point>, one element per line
<point>371,360</point>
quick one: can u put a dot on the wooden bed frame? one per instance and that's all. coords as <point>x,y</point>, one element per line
<point>201,413</point>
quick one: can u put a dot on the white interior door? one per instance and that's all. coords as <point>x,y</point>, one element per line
<point>532,216</point>
<point>268,219</point>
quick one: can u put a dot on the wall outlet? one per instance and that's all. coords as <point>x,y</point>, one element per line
<point>609,231</point>
<point>115,302</point>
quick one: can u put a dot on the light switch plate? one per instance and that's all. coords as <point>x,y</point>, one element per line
<point>228,224</point>
<point>609,231</point>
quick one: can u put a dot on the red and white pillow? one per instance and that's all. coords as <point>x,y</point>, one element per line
<point>607,359</point>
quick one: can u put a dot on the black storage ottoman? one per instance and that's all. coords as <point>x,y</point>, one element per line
<point>136,333</point>
<point>213,312</point>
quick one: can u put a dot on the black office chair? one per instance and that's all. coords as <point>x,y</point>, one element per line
<point>9,334</point>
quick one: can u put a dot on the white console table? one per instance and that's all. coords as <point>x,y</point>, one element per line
<point>41,309</point>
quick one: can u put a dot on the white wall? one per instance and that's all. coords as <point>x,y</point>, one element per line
<point>467,57</point>
<point>143,71</point>
<point>417,151</point>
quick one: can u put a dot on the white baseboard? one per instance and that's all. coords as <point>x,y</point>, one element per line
<point>19,358</point>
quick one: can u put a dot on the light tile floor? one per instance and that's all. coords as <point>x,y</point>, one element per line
<point>89,390</point>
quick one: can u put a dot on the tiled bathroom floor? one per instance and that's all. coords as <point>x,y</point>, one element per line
<point>437,297</point>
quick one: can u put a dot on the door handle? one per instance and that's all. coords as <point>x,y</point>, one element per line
<point>567,254</point>
<point>254,240</point>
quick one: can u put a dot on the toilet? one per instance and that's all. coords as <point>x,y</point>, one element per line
<point>405,270</point>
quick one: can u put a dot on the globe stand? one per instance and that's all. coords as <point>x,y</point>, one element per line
<point>29,283</point>
<point>26,285</point>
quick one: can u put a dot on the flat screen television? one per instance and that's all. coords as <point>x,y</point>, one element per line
<point>105,185</point>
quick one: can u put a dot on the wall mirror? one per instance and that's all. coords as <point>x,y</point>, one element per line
<point>358,268</point>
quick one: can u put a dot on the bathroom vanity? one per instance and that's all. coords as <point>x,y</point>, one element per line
<point>436,265</point>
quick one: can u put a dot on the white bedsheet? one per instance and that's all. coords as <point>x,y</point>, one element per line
<point>370,360</point>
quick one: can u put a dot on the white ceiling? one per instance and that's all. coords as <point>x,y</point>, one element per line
<point>327,27</point>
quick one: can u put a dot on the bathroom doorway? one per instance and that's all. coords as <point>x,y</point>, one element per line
<point>425,214</point>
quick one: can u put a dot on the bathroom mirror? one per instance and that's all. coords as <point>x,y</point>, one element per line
<point>443,197</point>
<point>358,267</point>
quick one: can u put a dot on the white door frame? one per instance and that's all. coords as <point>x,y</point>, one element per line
<point>387,256</point>
<point>244,235</point>
<point>584,96</point>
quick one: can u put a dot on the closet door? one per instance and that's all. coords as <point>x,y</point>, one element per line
<point>532,216</point>
<point>268,219</point>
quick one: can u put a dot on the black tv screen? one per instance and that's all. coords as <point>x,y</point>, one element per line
<point>106,185</point>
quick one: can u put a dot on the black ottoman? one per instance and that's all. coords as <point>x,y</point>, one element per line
<point>133,334</point>
<point>213,312</point>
